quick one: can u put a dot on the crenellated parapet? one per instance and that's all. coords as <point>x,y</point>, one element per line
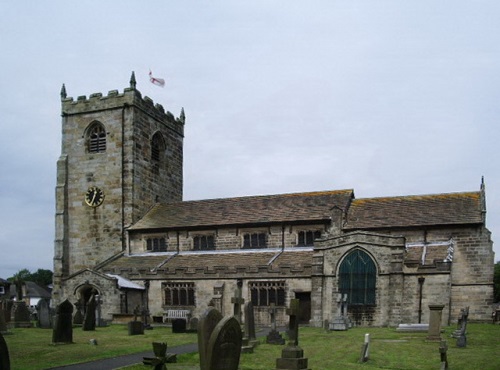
<point>130,97</point>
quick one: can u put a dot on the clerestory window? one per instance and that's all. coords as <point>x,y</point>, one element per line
<point>203,242</point>
<point>306,238</point>
<point>358,277</point>
<point>156,244</point>
<point>255,240</point>
<point>96,138</point>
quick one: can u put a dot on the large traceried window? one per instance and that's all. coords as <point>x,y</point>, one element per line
<point>178,294</point>
<point>358,278</point>
<point>263,293</point>
<point>96,138</point>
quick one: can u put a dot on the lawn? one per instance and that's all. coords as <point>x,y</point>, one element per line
<point>31,349</point>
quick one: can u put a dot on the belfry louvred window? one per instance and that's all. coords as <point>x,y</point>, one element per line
<point>97,138</point>
<point>358,278</point>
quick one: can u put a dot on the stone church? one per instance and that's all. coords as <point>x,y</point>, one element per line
<point>124,233</point>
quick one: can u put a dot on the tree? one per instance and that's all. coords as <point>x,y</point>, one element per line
<point>42,277</point>
<point>496,282</point>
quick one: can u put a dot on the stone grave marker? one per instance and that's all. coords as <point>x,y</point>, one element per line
<point>4,354</point>
<point>135,327</point>
<point>460,333</point>
<point>179,326</point>
<point>274,337</point>
<point>443,348</point>
<point>44,314</point>
<point>20,315</point>
<point>206,325</point>
<point>340,322</point>
<point>161,357</point>
<point>237,301</point>
<point>89,318</point>
<point>434,333</point>
<point>3,322</point>
<point>192,326</point>
<point>365,349</point>
<point>78,318</point>
<point>292,356</point>
<point>250,324</point>
<point>224,346</point>
<point>63,326</point>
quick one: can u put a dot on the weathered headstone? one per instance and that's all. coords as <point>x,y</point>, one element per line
<point>224,346</point>
<point>63,327</point>
<point>161,357</point>
<point>20,315</point>
<point>365,349</point>
<point>135,327</point>
<point>434,333</point>
<point>250,324</point>
<point>443,348</point>
<point>237,301</point>
<point>208,321</point>
<point>78,318</point>
<point>4,354</point>
<point>292,356</point>
<point>192,326</point>
<point>460,333</point>
<point>89,318</point>
<point>44,315</point>
<point>3,322</point>
<point>340,322</point>
<point>179,326</point>
<point>274,337</point>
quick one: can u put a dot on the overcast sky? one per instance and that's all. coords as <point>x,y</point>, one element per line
<point>384,97</point>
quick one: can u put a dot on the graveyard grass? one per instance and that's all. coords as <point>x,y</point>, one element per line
<point>31,348</point>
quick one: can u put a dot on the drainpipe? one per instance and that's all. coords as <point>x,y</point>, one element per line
<point>421,285</point>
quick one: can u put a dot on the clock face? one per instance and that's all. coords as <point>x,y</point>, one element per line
<point>94,197</point>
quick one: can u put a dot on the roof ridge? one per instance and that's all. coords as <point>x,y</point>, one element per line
<point>420,195</point>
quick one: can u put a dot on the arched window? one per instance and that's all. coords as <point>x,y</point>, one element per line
<point>96,138</point>
<point>358,277</point>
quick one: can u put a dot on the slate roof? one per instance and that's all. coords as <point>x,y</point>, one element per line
<point>252,210</point>
<point>415,210</point>
<point>199,262</point>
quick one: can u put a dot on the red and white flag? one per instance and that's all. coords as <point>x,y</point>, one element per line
<point>156,81</point>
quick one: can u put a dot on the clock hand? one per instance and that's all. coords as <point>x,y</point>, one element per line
<point>93,198</point>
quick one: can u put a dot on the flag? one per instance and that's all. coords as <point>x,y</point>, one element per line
<point>156,81</point>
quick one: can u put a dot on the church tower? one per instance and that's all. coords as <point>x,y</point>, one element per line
<point>120,154</point>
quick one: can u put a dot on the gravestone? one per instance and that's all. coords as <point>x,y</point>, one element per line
<point>89,318</point>
<point>20,315</point>
<point>135,327</point>
<point>365,349</point>
<point>193,325</point>
<point>3,322</point>
<point>460,333</point>
<point>292,356</point>
<point>443,348</point>
<point>78,318</point>
<point>237,301</point>
<point>224,346</point>
<point>44,314</point>
<point>63,326</point>
<point>250,324</point>
<point>178,326</point>
<point>4,354</point>
<point>274,337</point>
<point>434,333</point>
<point>208,321</point>
<point>340,321</point>
<point>161,357</point>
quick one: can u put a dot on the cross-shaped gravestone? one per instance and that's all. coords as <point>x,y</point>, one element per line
<point>293,324</point>
<point>272,312</point>
<point>339,305</point>
<point>274,337</point>
<point>344,305</point>
<point>237,301</point>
